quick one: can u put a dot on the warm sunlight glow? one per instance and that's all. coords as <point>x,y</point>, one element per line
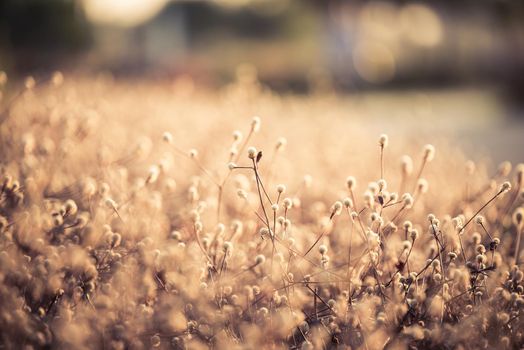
<point>421,25</point>
<point>125,13</point>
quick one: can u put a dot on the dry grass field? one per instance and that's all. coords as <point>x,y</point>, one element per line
<point>154,215</point>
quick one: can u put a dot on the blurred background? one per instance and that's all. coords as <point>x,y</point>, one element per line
<point>458,63</point>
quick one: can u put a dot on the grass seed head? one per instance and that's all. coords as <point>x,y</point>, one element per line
<point>429,153</point>
<point>383,141</point>
<point>251,152</point>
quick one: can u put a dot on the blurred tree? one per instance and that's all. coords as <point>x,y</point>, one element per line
<point>38,34</point>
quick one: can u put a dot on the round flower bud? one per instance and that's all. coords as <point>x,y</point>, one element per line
<point>255,124</point>
<point>110,203</point>
<point>407,199</point>
<point>167,137</point>
<point>281,143</point>
<point>337,206</point>
<point>518,216</point>
<point>155,341</point>
<point>228,246</point>
<point>413,234</point>
<point>251,152</point>
<point>422,185</point>
<point>383,140</point>
<point>480,249</point>
<point>429,153</point>
<point>481,258</point>
<point>237,136</point>
<point>479,219</point>
<point>505,187</point>
<point>406,164</point>
<point>504,169</point>
<point>351,183</point>
<point>263,231</point>
<point>193,153</point>
<point>260,259</point>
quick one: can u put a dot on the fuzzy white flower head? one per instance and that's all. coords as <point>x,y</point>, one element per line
<point>505,187</point>
<point>504,169</point>
<point>220,228</point>
<point>369,199</point>
<point>308,180</point>
<point>198,226</point>
<point>422,185</point>
<point>281,143</point>
<point>413,234</point>
<point>237,136</point>
<point>351,183</point>
<point>479,220</point>
<point>167,137</point>
<point>373,187</point>
<point>255,124</point>
<point>407,199</point>
<point>154,172</point>
<point>383,140</point>
<point>406,164</point>
<point>429,153</point>
<point>456,221</point>
<point>242,194</point>
<point>231,166</point>
<point>518,216</point>
<point>110,203</point>
<point>281,188</point>
<point>251,152</point>
<point>260,259</point>
<point>193,153</point>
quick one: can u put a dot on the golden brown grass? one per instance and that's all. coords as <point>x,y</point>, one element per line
<point>146,216</point>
